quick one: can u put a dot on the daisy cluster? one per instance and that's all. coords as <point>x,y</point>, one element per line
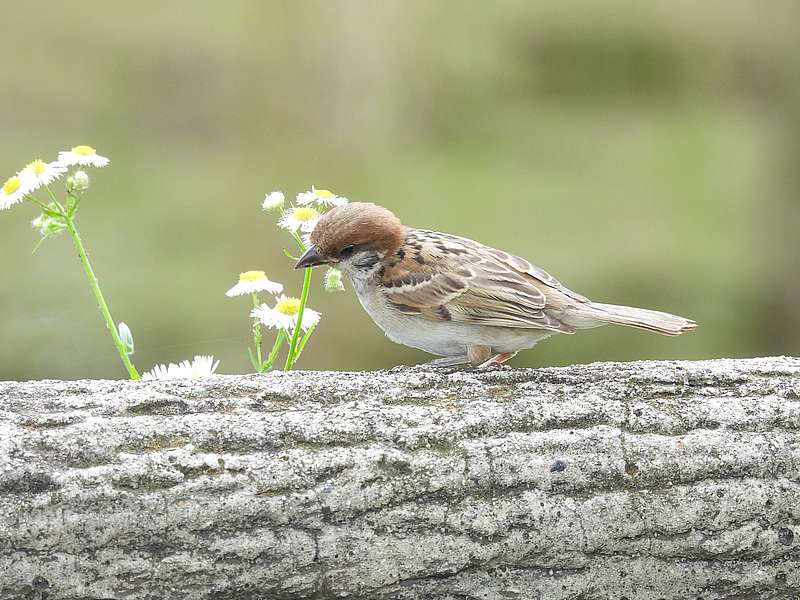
<point>283,314</point>
<point>287,315</point>
<point>38,173</point>
<point>57,216</point>
<point>300,218</point>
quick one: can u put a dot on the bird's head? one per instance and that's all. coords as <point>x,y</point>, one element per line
<point>355,237</point>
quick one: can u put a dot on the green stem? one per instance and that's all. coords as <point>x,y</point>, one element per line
<point>74,204</point>
<point>305,339</point>
<point>290,357</point>
<point>55,200</point>
<point>275,349</point>
<point>299,241</point>
<point>39,204</point>
<point>257,336</point>
<point>101,303</point>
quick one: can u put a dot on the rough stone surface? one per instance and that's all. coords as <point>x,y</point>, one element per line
<point>641,481</point>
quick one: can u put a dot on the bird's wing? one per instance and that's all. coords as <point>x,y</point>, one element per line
<point>447,278</point>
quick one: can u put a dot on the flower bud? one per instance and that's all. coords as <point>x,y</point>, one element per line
<point>333,280</point>
<point>77,183</point>
<point>273,201</point>
<point>47,225</point>
<point>38,222</point>
<point>126,336</point>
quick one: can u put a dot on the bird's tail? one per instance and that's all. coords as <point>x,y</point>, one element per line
<point>643,318</point>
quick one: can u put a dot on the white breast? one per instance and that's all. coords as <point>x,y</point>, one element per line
<point>442,338</point>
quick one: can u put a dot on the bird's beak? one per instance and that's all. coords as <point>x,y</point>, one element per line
<point>311,258</point>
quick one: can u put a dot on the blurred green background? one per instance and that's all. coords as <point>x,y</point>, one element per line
<point>644,153</point>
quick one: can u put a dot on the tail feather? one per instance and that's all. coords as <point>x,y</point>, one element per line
<point>643,318</point>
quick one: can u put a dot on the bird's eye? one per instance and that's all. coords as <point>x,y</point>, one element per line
<point>347,251</point>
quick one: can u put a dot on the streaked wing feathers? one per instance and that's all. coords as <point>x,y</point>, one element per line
<point>444,277</point>
<point>419,290</point>
<point>520,264</point>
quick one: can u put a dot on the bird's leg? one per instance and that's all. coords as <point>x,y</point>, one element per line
<point>497,360</point>
<point>449,361</point>
<point>478,354</point>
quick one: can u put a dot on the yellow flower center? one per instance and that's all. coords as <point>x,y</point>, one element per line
<point>305,213</point>
<point>322,194</point>
<point>252,276</point>
<point>37,167</point>
<point>288,306</point>
<point>11,185</point>
<point>84,150</point>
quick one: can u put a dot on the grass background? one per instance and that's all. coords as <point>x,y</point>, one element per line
<point>644,153</point>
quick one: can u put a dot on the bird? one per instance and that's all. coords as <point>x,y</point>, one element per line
<point>453,297</point>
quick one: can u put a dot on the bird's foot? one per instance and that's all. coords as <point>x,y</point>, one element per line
<point>448,361</point>
<point>496,361</point>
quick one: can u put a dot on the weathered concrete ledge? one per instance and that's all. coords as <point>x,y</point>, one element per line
<point>641,480</point>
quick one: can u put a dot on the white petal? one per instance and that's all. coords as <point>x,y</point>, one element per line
<point>288,222</point>
<point>68,158</point>
<point>236,290</point>
<point>310,318</point>
<point>243,288</point>
<point>201,366</point>
<point>304,198</point>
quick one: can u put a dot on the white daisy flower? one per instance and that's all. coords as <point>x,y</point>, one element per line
<point>39,173</point>
<point>303,218</point>
<point>284,314</point>
<point>82,155</point>
<point>320,198</point>
<point>273,201</point>
<point>201,366</point>
<point>254,281</point>
<point>161,372</point>
<point>14,190</point>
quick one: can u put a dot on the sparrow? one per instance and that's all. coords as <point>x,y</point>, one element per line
<point>454,297</point>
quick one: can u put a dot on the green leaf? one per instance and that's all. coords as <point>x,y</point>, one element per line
<point>39,243</point>
<point>304,340</point>
<point>299,241</point>
<point>274,352</point>
<point>253,360</point>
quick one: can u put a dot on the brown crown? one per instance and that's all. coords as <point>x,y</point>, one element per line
<point>358,224</point>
